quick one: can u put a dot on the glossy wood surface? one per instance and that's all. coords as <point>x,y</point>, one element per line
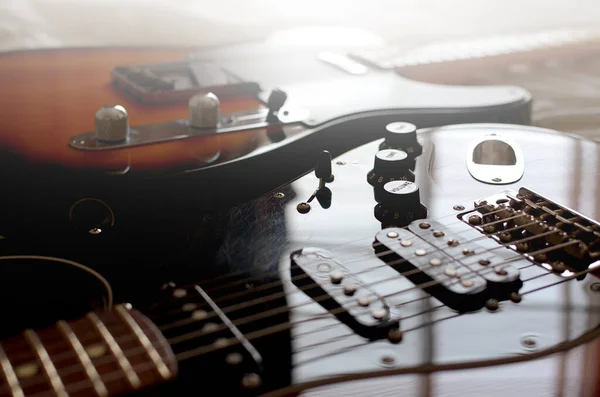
<point>256,236</point>
<point>557,166</point>
<point>52,95</point>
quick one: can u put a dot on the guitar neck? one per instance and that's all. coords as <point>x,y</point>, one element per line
<point>106,354</point>
<point>453,61</point>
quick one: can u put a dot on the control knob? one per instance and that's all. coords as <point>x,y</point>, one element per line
<point>399,204</point>
<point>204,111</point>
<point>390,165</point>
<point>402,136</point>
<point>112,124</point>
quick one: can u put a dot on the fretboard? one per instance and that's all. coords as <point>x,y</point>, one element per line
<point>102,354</point>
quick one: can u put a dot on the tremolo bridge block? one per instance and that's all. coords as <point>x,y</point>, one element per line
<point>344,295</point>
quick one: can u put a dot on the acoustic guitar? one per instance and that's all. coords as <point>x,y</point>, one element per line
<point>453,261</point>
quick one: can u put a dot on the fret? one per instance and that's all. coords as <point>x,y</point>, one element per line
<point>49,368</point>
<point>84,358</point>
<point>164,371</point>
<point>9,373</point>
<point>116,350</point>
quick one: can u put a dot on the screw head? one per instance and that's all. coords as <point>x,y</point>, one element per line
<point>595,287</point>
<point>458,208</point>
<point>279,195</point>
<point>497,179</point>
<point>303,208</point>
<point>529,342</point>
<point>387,361</point>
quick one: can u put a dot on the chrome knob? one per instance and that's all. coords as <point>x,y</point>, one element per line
<point>204,110</point>
<point>112,124</point>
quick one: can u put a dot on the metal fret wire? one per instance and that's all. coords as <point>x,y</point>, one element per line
<point>289,325</point>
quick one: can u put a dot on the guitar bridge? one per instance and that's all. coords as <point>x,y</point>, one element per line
<point>539,229</point>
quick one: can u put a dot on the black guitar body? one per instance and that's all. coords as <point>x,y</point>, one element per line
<point>470,178</point>
<point>217,254</point>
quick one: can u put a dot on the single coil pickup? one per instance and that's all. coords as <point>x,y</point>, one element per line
<point>502,277</point>
<point>334,287</point>
<point>430,269</point>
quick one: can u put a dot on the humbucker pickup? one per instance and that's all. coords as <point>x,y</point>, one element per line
<point>344,295</point>
<point>461,274</point>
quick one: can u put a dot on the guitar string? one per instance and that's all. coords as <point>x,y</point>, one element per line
<point>270,330</point>
<point>495,222</point>
<point>516,257</point>
<point>282,294</point>
<point>250,319</point>
<point>560,281</point>
<point>262,273</point>
<point>587,337</point>
<point>303,276</point>
<point>58,357</point>
<point>140,368</point>
<point>420,369</point>
<point>299,277</point>
<point>506,231</point>
<point>402,304</point>
<point>288,325</point>
<point>254,276</point>
<point>339,324</point>
<point>385,265</point>
<point>139,350</point>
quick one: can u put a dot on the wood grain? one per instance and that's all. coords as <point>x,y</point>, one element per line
<point>52,95</point>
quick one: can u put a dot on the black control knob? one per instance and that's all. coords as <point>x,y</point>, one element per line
<point>399,204</point>
<point>403,136</point>
<point>390,165</point>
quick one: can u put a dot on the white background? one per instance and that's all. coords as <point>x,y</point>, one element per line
<point>53,23</point>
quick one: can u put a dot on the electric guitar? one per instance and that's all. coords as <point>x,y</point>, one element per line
<point>459,257</point>
<point>328,98</point>
<point>56,137</point>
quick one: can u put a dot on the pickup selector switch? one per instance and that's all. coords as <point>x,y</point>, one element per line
<point>402,136</point>
<point>399,204</point>
<point>390,165</point>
